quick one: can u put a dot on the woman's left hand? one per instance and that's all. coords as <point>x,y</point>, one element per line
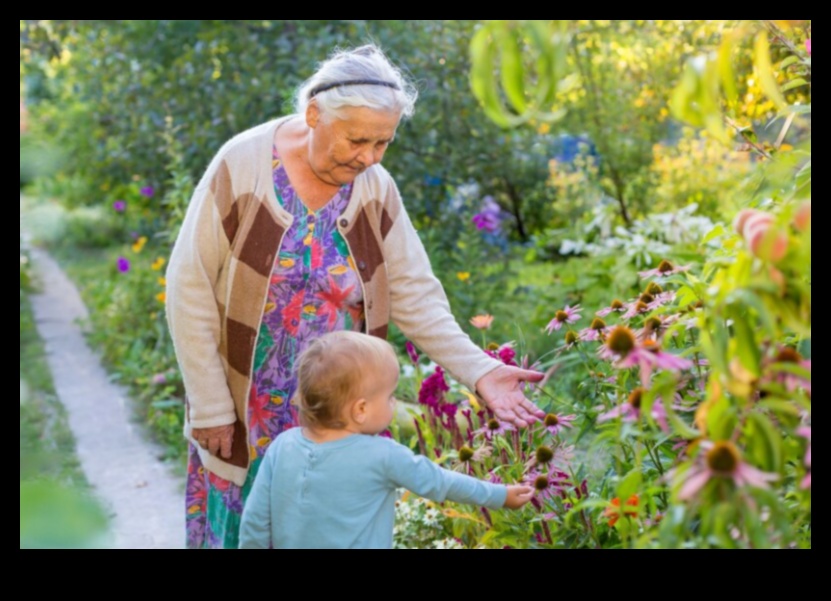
<point>502,392</point>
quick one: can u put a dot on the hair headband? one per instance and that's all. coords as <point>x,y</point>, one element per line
<point>352,82</point>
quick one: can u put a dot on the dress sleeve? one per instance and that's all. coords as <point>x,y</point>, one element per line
<point>192,311</point>
<point>421,476</point>
<point>419,305</point>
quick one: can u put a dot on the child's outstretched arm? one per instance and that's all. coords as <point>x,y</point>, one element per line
<point>426,479</point>
<point>255,530</point>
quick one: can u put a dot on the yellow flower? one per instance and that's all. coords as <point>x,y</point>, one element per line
<point>463,276</point>
<point>161,297</point>
<point>162,282</point>
<point>158,264</point>
<point>139,245</point>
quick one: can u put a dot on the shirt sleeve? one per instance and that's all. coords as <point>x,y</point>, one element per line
<point>419,305</point>
<point>421,476</point>
<point>255,529</point>
<point>192,310</point>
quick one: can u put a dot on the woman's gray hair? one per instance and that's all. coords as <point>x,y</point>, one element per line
<point>393,92</point>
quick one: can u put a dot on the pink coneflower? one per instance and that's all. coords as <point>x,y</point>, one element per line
<point>720,460</point>
<point>791,381</point>
<point>806,433</point>
<point>556,423</point>
<point>494,427</point>
<point>596,331</point>
<point>637,307</point>
<point>123,265</point>
<point>626,351</point>
<point>571,339</point>
<point>482,322</point>
<point>664,269</point>
<point>617,306</point>
<point>546,486</point>
<point>469,456</point>
<point>630,411</point>
<point>412,352</point>
<point>563,317</point>
<point>556,459</point>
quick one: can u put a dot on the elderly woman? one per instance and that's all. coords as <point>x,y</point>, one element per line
<point>296,230</point>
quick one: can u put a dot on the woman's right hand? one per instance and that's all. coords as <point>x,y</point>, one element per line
<point>215,440</point>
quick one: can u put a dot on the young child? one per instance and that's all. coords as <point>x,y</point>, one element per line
<point>333,483</point>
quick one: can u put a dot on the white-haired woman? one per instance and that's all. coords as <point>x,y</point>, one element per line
<point>296,230</point>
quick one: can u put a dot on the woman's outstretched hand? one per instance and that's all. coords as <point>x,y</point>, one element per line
<point>215,440</point>
<point>502,392</point>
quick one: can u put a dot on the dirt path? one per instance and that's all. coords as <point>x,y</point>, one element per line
<point>145,501</point>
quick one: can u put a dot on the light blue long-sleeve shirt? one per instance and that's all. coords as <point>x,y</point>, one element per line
<point>342,494</point>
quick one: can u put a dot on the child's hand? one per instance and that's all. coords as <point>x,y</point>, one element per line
<point>518,496</point>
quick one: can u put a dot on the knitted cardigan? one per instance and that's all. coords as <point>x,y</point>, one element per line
<point>219,273</point>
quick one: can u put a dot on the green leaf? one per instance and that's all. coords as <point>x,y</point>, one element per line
<point>721,420</point>
<point>765,69</point>
<point>726,70</point>
<point>513,73</point>
<point>714,233</point>
<point>630,485</point>
<point>746,345</point>
<point>764,442</point>
<point>791,60</point>
<point>796,83</point>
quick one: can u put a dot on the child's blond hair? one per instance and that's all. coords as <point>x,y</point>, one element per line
<point>335,369</point>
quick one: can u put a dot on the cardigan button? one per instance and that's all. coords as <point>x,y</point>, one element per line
<point>361,265</point>
<point>344,222</point>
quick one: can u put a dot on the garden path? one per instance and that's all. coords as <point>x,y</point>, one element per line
<point>145,501</point>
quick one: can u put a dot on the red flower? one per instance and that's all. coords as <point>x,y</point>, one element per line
<point>333,300</point>
<point>291,313</point>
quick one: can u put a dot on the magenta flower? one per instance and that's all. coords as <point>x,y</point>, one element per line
<point>159,380</point>
<point>119,206</point>
<point>808,46</point>
<point>806,433</point>
<point>433,389</point>
<point>556,423</point>
<point>412,352</point>
<point>147,191</point>
<point>617,306</point>
<point>567,315</point>
<point>719,460</point>
<point>494,427</point>
<point>664,269</point>
<point>489,217</point>
<point>123,265</point>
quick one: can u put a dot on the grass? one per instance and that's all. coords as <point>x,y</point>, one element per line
<point>56,509</point>
<point>47,448</point>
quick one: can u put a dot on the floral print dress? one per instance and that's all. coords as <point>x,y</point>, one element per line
<point>314,289</point>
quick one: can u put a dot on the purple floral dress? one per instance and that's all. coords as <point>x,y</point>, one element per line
<point>314,289</point>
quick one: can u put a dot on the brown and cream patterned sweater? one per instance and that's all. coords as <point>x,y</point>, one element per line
<point>218,275</point>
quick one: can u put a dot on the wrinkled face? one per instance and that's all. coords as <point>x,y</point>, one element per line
<point>342,148</point>
<point>380,407</point>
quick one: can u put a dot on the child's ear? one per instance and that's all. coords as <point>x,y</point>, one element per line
<point>359,408</point>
